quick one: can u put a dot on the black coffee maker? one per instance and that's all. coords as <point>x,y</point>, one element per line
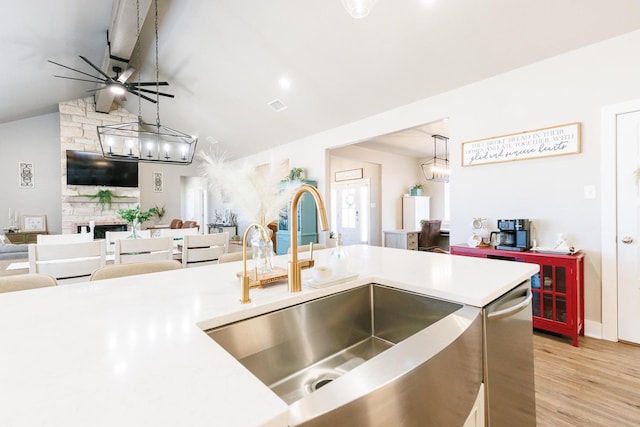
<point>514,235</point>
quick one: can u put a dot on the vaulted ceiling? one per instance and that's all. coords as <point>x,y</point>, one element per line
<point>225,59</point>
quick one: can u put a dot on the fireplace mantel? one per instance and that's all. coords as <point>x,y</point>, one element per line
<point>86,199</point>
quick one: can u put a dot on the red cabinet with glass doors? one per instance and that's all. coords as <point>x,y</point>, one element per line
<point>558,289</point>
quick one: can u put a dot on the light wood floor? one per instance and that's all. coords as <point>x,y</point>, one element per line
<point>596,384</point>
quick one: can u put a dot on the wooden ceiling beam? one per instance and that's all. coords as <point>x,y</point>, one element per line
<point>122,40</point>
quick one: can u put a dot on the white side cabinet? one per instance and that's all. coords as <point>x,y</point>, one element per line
<point>401,239</point>
<point>414,209</point>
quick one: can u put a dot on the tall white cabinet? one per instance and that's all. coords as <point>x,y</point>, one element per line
<point>414,209</point>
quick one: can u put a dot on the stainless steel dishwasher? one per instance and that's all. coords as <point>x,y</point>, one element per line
<point>508,360</point>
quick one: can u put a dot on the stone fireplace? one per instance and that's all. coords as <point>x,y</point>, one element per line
<point>78,122</point>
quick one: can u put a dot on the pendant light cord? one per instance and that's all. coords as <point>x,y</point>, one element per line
<point>157,69</point>
<point>138,59</point>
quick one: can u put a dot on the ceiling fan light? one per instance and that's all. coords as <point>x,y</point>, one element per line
<point>358,9</point>
<point>117,89</point>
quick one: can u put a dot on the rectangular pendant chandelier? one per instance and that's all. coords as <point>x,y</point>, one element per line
<point>438,168</point>
<point>146,142</point>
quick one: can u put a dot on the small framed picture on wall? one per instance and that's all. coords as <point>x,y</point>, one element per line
<point>158,182</point>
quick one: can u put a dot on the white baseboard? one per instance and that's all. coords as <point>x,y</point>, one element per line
<point>592,329</point>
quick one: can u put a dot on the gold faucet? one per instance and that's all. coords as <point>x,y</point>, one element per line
<point>244,280</point>
<point>295,266</point>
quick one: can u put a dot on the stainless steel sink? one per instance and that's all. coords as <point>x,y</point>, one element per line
<point>323,352</point>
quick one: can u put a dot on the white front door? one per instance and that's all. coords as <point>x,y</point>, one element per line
<point>628,228</point>
<point>350,205</point>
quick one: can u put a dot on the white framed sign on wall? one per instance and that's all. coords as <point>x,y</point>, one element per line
<point>552,141</point>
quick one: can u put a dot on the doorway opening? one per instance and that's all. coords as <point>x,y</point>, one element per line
<point>194,200</point>
<point>392,163</point>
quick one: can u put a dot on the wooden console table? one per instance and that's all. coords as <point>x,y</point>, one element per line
<point>558,289</point>
<point>24,236</point>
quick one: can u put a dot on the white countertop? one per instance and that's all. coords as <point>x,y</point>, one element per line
<point>131,351</point>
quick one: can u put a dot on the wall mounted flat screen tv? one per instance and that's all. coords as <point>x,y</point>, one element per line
<point>85,168</point>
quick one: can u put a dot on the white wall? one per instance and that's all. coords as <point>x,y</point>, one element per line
<point>568,88</point>
<point>35,140</point>
<point>170,197</point>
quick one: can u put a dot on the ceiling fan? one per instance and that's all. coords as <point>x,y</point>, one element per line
<point>118,83</point>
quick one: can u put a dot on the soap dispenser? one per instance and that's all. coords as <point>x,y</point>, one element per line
<point>339,261</point>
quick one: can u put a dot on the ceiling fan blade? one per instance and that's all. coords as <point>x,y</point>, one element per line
<point>126,74</point>
<point>141,95</point>
<point>149,84</point>
<point>157,93</point>
<point>94,67</point>
<point>72,69</point>
<point>81,80</point>
<point>97,89</point>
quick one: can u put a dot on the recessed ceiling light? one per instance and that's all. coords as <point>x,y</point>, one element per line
<point>285,83</point>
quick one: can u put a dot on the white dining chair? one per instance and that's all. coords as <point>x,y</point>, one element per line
<point>141,250</point>
<point>110,237</point>
<point>176,234</point>
<point>67,261</point>
<point>50,239</point>
<point>203,249</point>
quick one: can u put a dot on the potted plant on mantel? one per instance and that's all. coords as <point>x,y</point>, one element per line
<point>416,190</point>
<point>105,197</point>
<point>135,216</point>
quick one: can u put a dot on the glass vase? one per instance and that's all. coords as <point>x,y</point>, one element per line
<point>262,252</point>
<point>134,230</point>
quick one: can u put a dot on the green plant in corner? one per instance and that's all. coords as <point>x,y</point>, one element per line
<point>417,186</point>
<point>158,211</point>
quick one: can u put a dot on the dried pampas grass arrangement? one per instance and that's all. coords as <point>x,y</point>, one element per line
<point>256,194</point>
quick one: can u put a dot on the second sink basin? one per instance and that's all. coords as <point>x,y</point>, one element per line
<point>302,348</point>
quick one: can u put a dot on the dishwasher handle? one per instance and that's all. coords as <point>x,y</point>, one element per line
<point>515,309</point>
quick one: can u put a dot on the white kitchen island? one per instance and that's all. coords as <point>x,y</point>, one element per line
<point>132,351</point>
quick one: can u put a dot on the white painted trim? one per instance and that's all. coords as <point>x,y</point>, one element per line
<point>609,258</point>
<point>592,329</point>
